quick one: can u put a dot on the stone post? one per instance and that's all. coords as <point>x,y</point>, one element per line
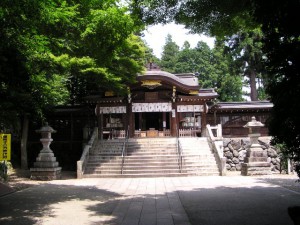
<point>45,167</point>
<point>255,162</point>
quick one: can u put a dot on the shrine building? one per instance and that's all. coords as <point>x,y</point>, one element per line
<point>159,104</point>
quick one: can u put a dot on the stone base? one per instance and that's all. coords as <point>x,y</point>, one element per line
<point>45,173</point>
<point>252,169</point>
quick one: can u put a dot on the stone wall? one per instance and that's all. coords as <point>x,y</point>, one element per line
<point>235,152</point>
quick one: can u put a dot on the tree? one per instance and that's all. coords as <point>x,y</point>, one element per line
<point>169,55</point>
<point>246,49</point>
<point>230,21</point>
<point>214,17</point>
<point>282,49</point>
<point>55,52</point>
<point>228,79</point>
<point>213,67</point>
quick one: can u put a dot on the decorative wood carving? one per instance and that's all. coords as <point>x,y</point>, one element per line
<point>150,96</point>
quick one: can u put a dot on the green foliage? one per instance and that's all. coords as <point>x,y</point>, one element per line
<point>169,55</point>
<point>231,21</point>
<point>246,49</point>
<point>214,17</point>
<point>213,67</point>
<point>56,52</point>
<point>282,47</point>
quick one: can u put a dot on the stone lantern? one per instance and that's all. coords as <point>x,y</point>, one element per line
<point>255,162</point>
<point>46,167</point>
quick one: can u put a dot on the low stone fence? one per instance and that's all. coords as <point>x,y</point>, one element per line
<point>235,152</point>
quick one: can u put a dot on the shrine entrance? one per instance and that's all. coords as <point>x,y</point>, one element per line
<point>152,124</point>
<point>153,120</point>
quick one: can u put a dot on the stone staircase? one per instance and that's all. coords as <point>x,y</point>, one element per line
<point>105,159</point>
<point>198,158</point>
<point>150,157</point>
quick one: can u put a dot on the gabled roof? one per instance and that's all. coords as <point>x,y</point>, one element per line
<point>242,106</point>
<point>185,82</point>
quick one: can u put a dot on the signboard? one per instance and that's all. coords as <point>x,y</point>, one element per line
<point>5,140</point>
<point>152,107</point>
<point>190,108</point>
<point>112,110</point>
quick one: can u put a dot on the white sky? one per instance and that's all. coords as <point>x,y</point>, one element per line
<point>155,37</point>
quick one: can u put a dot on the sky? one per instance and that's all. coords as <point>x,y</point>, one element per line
<point>155,37</point>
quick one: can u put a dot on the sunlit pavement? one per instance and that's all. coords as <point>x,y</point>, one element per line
<point>232,200</point>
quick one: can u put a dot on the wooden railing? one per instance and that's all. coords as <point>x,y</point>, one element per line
<point>188,132</point>
<point>115,134</point>
<point>81,164</point>
<point>143,134</point>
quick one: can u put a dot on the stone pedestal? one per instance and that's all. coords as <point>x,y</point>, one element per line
<point>255,162</point>
<point>46,167</point>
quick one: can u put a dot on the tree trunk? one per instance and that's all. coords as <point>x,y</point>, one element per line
<point>253,89</point>
<point>24,162</point>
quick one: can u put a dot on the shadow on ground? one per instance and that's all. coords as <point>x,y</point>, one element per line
<point>32,204</point>
<point>69,204</point>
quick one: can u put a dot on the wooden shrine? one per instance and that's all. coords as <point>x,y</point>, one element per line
<point>159,104</point>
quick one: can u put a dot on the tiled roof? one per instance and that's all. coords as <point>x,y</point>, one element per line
<point>239,106</point>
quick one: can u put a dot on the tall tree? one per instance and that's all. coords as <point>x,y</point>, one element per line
<point>169,55</point>
<point>282,49</point>
<point>213,67</point>
<point>55,52</point>
<point>246,48</point>
<point>281,46</point>
<point>228,20</point>
<point>228,79</point>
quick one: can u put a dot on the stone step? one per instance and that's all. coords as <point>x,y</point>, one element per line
<point>152,140</point>
<point>151,158</point>
<point>146,161</point>
<point>151,146</point>
<point>141,154</point>
<point>104,171</point>
<point>152,171</point>
<point>105,157</point>
<point>101,165</point>
<point>158,149</point>
<point>133,175</point>
<point>182,174</point>
<point>151,167</point>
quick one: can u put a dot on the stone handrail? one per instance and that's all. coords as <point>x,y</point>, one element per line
<point>85,154</point>
<point>124,149</point>
<point>179,150</point>
<point>216,144</point>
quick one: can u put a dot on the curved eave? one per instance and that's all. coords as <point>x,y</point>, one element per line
<point>200,97</point>
<point>180,86</point>
<point>100,99</point>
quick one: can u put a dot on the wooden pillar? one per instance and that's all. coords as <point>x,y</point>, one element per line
<point>164,125</point>
<point>140,120</point>
<point>203,119</point>
<point>100,125</point>
<point>130,120</point>
<point>174,126</point>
